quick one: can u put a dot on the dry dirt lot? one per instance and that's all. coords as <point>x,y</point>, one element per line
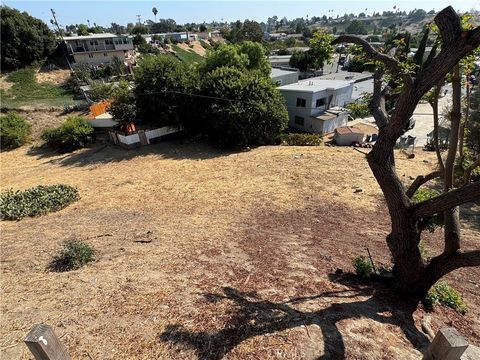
<point>204,254</point>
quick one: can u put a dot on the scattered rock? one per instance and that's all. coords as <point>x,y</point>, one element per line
<point>357,190</point>
<point>426,161</point>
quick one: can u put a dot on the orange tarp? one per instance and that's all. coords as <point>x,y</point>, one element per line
<point>99,108</point>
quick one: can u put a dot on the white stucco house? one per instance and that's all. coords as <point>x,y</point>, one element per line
<point>99,48</point>
<point>316,106</point>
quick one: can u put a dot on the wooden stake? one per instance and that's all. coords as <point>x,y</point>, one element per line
<point>45,345</point>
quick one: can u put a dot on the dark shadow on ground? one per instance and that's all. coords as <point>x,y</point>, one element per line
<point>254,316</point>
<point>470,215</point>
<point>108,153</point>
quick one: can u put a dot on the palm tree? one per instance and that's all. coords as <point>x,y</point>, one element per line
<point>155,12</point>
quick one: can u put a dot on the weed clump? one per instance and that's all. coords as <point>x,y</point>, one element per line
<point>73,255</point>
<point>363,267</point>
<point>442,293</point>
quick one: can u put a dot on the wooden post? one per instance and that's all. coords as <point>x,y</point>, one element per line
<point>44,344</point>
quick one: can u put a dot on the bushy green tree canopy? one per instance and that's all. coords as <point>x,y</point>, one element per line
<point>162,85</point>
<point>321,47</point>
<point>25,39</point>
<point>245,108</point>
<point>246,31</point>
<point>247,55</point>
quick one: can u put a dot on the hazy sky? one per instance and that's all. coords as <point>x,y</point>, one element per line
<point>123,12</point>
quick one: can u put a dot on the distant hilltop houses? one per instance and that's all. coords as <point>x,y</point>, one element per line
<point>96,49</point>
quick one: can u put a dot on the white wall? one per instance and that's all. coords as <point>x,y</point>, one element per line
<point>98,57</point>
<point>330,125</point>
<point>348,139</point>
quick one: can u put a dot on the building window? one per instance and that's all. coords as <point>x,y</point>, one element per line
<point>320,102</point>
<point>105,54</point>
<point>301,102</point>
<point>299,120</point>
<point>124,41</point>
<point>90,56</point>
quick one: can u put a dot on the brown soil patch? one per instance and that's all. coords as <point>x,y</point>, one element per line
<point>197,47</point>
<point>57,77</point>
<point>235,237</point>
<point>4,83</point>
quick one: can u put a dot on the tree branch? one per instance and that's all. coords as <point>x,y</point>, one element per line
<point>420,180</point>
<point>378,100</point>
<point>444,264</point>
<point>446,201</point>
<point>448,23</point>
<point>392,63</point>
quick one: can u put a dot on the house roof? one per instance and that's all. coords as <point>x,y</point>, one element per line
<point>346,130</point>
<point>279,72</point>
<point>316,84</point>
<point>92,36</point>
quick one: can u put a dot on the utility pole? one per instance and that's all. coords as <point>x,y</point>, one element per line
<point>139,17</point>
<point>64,47</point>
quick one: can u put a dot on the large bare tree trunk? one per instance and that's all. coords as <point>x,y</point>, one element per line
<point>414,275</point>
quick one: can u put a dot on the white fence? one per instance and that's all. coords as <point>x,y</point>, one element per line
<point>141,137</point>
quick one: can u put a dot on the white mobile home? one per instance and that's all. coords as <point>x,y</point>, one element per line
<point>315,105</point>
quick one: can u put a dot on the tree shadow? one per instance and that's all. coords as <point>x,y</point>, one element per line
<point>108,153</point>
<point>470,215</point>
<point>254,316</point>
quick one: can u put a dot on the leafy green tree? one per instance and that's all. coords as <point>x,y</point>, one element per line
<point>162,87</point>
<point>248,55</point>
<point>139,29</point>
<point>82,30</point>
<point>249,30</point>
<point>245,109</point>
<point>321,48</point>
<point>164,26</point>
<point>302,61</point>
<point>123,108</point>
<point>139,40</point>
<point>117,29</point>
<point>25,39</point>
<point>356,27</point>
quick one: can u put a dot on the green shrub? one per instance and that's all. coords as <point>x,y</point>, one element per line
<point>359,110</point>
<point>75,133</point>
<point>39,200</point>
<point>443,293</point>
<point>14,131</point>
<point>73,255</point>
<point>294,139</point>
<point>424,194</point>
<point>363,267</point>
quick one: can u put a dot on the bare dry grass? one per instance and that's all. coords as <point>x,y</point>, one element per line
<point>56,77</point>
<point>200,251</point>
